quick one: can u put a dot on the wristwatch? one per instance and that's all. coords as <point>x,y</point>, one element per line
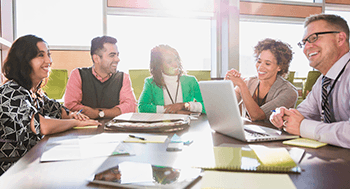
<point>101,113</point>
<point>187,106</point>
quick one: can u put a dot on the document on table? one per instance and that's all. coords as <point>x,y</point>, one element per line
<point>220,179</point>
<point>147,139</point>
<point>75,148</point>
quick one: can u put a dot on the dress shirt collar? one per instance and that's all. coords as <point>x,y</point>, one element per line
<point>99,77</point>
<point>338,66</point>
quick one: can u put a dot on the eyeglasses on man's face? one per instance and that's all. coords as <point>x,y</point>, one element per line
<point>313,38</point>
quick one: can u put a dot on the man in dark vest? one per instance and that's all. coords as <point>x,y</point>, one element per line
<point>100,91</point>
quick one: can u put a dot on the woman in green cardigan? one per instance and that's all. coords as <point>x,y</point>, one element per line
<point>168,90</point>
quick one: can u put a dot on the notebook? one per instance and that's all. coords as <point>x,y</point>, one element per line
<point>223,114</point>
<point>252,159</point>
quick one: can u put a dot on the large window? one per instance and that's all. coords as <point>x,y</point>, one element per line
<point>62,23</point>
<point>252,32</point>
<point>137,35</point>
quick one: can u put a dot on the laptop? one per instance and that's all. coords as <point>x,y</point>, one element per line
<point>224,116</point>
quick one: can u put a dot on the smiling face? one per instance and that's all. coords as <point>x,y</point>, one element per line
<point>107,61</point>
<point>171,64</point>
<point>41,64</point>
<point>266,66</point>
<point>323,53</point>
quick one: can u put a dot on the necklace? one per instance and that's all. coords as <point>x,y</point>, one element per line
<point>177,90</point>
<point>257,92</point>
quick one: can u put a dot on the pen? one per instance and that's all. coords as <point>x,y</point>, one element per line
<point>133,136</point>
<point>79,111</point>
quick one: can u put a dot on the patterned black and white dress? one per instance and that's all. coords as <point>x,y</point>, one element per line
<point>17,107</point>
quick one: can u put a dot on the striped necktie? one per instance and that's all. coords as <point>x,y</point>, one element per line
<point>325,104</point>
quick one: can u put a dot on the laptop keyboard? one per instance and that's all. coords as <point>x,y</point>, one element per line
<point>254,134</point>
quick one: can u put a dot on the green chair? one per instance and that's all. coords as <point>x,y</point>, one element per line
<point>56,85</point>
<point>137,77</point>
<point>311,78</point>
<point>201,75</point>
<point>290,76</point>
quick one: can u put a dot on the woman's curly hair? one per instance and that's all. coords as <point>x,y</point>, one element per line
<point>282,52</point>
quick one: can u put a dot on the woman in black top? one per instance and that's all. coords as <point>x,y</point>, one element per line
<point>26,113</point>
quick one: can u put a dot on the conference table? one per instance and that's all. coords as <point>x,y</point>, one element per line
<point>325,167</point>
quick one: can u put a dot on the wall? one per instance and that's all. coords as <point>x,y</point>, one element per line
<point>70,59</point>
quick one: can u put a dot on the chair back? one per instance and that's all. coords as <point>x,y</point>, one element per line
<point>312,76</point>
<point>201,75</point>
<point>290,76</point>
<point>137,78</point>
<point>56,85</point>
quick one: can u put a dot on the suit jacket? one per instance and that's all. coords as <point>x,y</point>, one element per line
<point>152,95</point>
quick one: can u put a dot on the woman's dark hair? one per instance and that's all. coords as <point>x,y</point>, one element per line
<point>17,64</point>
<point>156,63</point>
<point>281,51</point>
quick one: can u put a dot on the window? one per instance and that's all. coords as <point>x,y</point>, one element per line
<point>252,32</point>
<point>137,35</point>
<point>63,22</point>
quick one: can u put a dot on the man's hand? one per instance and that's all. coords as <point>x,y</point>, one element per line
<point>292,121</point>
<point>90,112</point>
<point>289,120</point>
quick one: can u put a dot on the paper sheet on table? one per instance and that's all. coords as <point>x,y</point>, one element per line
<point>305,142</point>
<point>149,139</point>
<point>220,179</point>
<point>103,138</point>
<point>74,148</point>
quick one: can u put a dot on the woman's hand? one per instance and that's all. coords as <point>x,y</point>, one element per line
<point>173,108</point>
<point>235,77</point>
<point>88,122</point>
<point>78,115</point>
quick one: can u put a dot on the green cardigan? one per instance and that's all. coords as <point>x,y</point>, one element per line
<point>152,95</point>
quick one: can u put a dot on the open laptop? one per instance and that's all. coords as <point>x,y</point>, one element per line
<point>223,114</point>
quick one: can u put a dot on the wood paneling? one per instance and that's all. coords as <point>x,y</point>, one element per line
<point>343,2</point>
<point>181,5</point>
<point>70,59</point>
<point>270,9</point>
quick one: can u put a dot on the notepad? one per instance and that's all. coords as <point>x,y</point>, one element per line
<point>305,142</point>
<point>220,179</point>
<point>264,159</point>
<point>149,139</point>
<point>273,156</point>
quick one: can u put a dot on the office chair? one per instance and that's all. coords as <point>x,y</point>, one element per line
<point>56,85</point>
<point>137,78</point>
<point>290,76</point>
<point>201,75</point>
<point>312,76</point>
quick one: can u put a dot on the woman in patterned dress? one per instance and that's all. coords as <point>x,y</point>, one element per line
<point>26,113</point>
